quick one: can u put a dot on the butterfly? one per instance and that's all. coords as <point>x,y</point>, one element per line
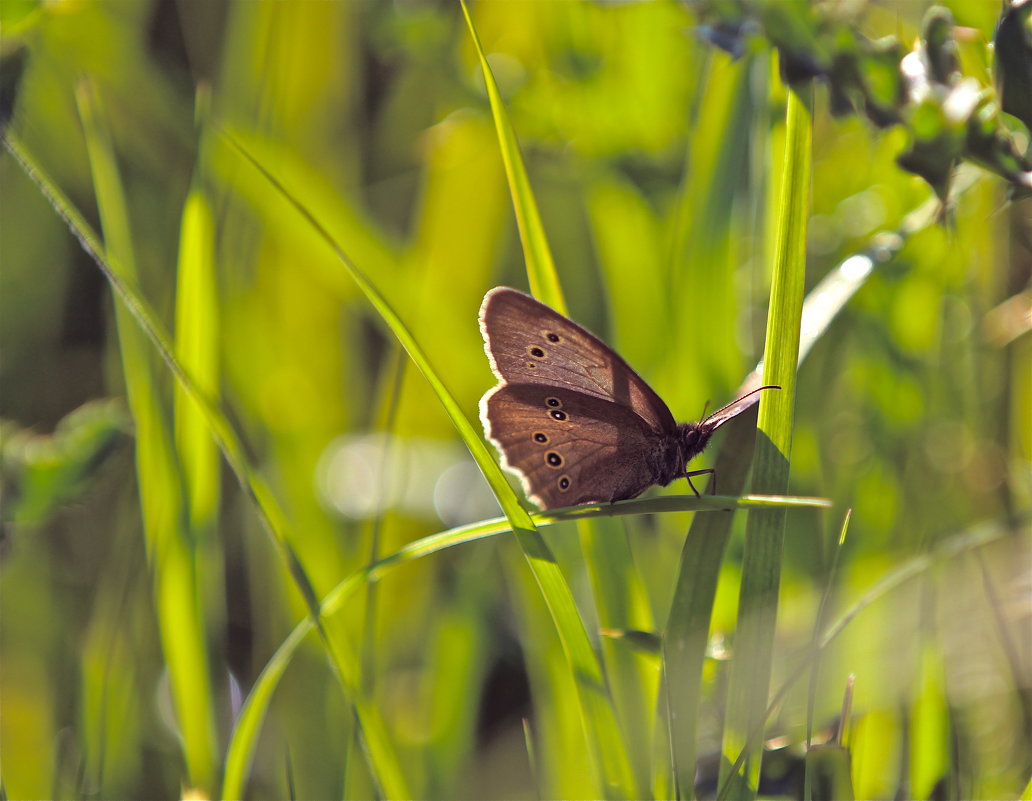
<point>572,418</point>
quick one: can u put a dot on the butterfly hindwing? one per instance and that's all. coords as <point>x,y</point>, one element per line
<point>569,447</point>
<point>527,342</point>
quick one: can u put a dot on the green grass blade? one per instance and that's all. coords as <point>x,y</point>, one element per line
<point>622,604</point>
<point>197,453</point>
<point>597,706</point>
<point>688,623</point>
<point>161,494</point>
<point>544,282</point>
<point>761,570</point>
<point>197,340</point>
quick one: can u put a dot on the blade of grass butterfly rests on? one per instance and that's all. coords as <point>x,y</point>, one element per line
<point>545,284</point>
<point>688,622</point>
<point>571,417</point>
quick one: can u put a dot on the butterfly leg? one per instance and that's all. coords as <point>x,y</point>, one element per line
<point>707,471</point>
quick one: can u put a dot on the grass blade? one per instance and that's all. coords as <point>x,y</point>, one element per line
<point>685,638</point>
<point>761,570</point>
<point>170,548</point>
<point>197,327</point>
<point>687,630</point>
<point>609,747</point>
<point>544,282</point>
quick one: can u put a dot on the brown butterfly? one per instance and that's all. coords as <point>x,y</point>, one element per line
<point>571,417</point>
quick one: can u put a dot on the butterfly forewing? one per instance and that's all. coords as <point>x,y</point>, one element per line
<point>569,447</point>
<point>528,342</point>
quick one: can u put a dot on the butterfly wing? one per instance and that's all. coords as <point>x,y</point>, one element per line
<point>529,343</point>
<point>569,447</point>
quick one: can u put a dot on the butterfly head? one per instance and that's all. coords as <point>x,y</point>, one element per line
<point>692,439</point>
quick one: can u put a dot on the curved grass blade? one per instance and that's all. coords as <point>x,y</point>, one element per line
<point>610,746</point>
<point>248,726</point>
<point>608,752</point>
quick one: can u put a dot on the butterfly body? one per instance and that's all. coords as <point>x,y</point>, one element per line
<point>570,417</point>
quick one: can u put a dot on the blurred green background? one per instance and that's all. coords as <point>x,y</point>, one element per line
<point>652,157</point>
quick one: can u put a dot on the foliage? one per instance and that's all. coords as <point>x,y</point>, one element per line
<point>293,204</point>
<point>948,116</point>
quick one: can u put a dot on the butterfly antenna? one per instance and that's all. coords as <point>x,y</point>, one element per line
<point>738,400</point>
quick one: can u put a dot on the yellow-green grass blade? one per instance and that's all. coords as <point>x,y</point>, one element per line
<point>197,338</point>
<point>161,493</point>
<point>196,451</point>
<point>749,682</point>
<point>544,282</point>
<point>929,725</point>
<point>248,725</point>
